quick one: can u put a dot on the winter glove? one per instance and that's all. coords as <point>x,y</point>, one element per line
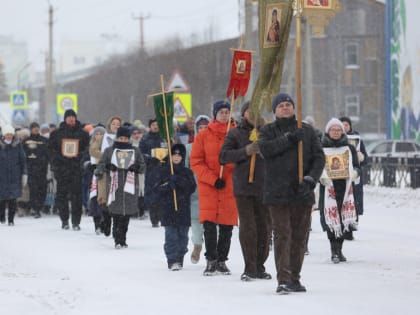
<point>219,184</point>
<point>325,181</point>
<point>360,156</point>
<point>172,181</point>
<point>111,167</point>
<point>306,186</point>
<point>134,168</point>
<point>24,180</point>
<point>252,148</point>
<point>295,136</point>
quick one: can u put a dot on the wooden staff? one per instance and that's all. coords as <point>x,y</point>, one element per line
<point>299,85</point>
<point>253,137</point>
<point>168,139</point>
<point>228,127</point>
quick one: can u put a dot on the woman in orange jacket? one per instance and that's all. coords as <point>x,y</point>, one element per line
<point>217,203</point>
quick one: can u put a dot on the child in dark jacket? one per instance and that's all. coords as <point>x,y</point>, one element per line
<point>176,221</point>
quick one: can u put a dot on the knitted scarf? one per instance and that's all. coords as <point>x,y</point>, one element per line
<point>348,210</point>
<point>129,185</point>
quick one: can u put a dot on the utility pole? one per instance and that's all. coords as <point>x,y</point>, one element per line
<point>141,19</point>
<point>49,75</point>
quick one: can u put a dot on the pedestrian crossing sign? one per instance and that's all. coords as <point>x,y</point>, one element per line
<point>65,102</point>
<point>182,106</point>
<point>19,99</point>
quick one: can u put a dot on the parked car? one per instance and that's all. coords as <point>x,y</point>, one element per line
<point>394,148</point>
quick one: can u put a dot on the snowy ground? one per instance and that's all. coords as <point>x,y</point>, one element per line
<point>45,270</point>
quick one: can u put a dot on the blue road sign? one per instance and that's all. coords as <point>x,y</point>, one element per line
<point>19,99</point>
<point>19,116</point>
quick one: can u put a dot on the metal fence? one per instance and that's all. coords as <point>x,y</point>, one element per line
<point>392,172</point>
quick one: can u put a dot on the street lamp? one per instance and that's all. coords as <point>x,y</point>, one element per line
<point>20,73</point>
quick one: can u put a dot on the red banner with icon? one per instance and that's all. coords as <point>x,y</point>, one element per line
<point>240,73</point>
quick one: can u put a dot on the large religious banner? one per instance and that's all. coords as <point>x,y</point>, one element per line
<point>403,78</point>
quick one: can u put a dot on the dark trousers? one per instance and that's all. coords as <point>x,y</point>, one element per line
<point>69,188</point>
<point>253,232</point>
<point>97,221</point>
<point>176,243</point>
<point>107,223</point>
<point>154,212</point>
<point>217,247</point>
<point>37,193</point>
<point>121,227</point>
<point>11,204</point>
<point>140,205</point>
<point>290,225</point>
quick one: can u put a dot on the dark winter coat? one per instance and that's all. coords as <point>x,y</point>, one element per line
<point>339,184</point>
<point>148,142</point>
<point>37,158</point>
<point>61,165</point>
<point>281,161</point>
<point>233,151</point>
<point>124,203</point>
<point>185,186</point>
<point>12,167</point>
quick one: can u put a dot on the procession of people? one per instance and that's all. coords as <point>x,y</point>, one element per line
<point>204,184</point>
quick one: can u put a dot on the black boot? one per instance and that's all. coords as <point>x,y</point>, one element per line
<point>341,257</point>
<point>334,252</point>
<point>210,268</point>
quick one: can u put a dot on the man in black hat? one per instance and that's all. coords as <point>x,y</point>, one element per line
<point>290,202</point>
<point>36,151</point>
<point>67,145</point>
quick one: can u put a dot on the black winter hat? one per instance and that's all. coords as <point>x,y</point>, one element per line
<point>69,113</point>
<point>244,107</point>
<point>218,106</point>
<point>279,98</point>
<point>179,148</point>
<point>123,131</point>
<point>347,120</point>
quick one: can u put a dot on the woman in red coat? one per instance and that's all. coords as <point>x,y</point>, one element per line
<point>217,203</point>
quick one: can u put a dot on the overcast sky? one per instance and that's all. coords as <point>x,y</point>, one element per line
<point>27,20</point>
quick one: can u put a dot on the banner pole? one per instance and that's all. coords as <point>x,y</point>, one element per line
<point>228,127</point>
<point>168,139</point>
<point>299,85</point>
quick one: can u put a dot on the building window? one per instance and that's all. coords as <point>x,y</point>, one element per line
<point>79,60</point>
<point>353,107</point>
<point>352,56</point>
